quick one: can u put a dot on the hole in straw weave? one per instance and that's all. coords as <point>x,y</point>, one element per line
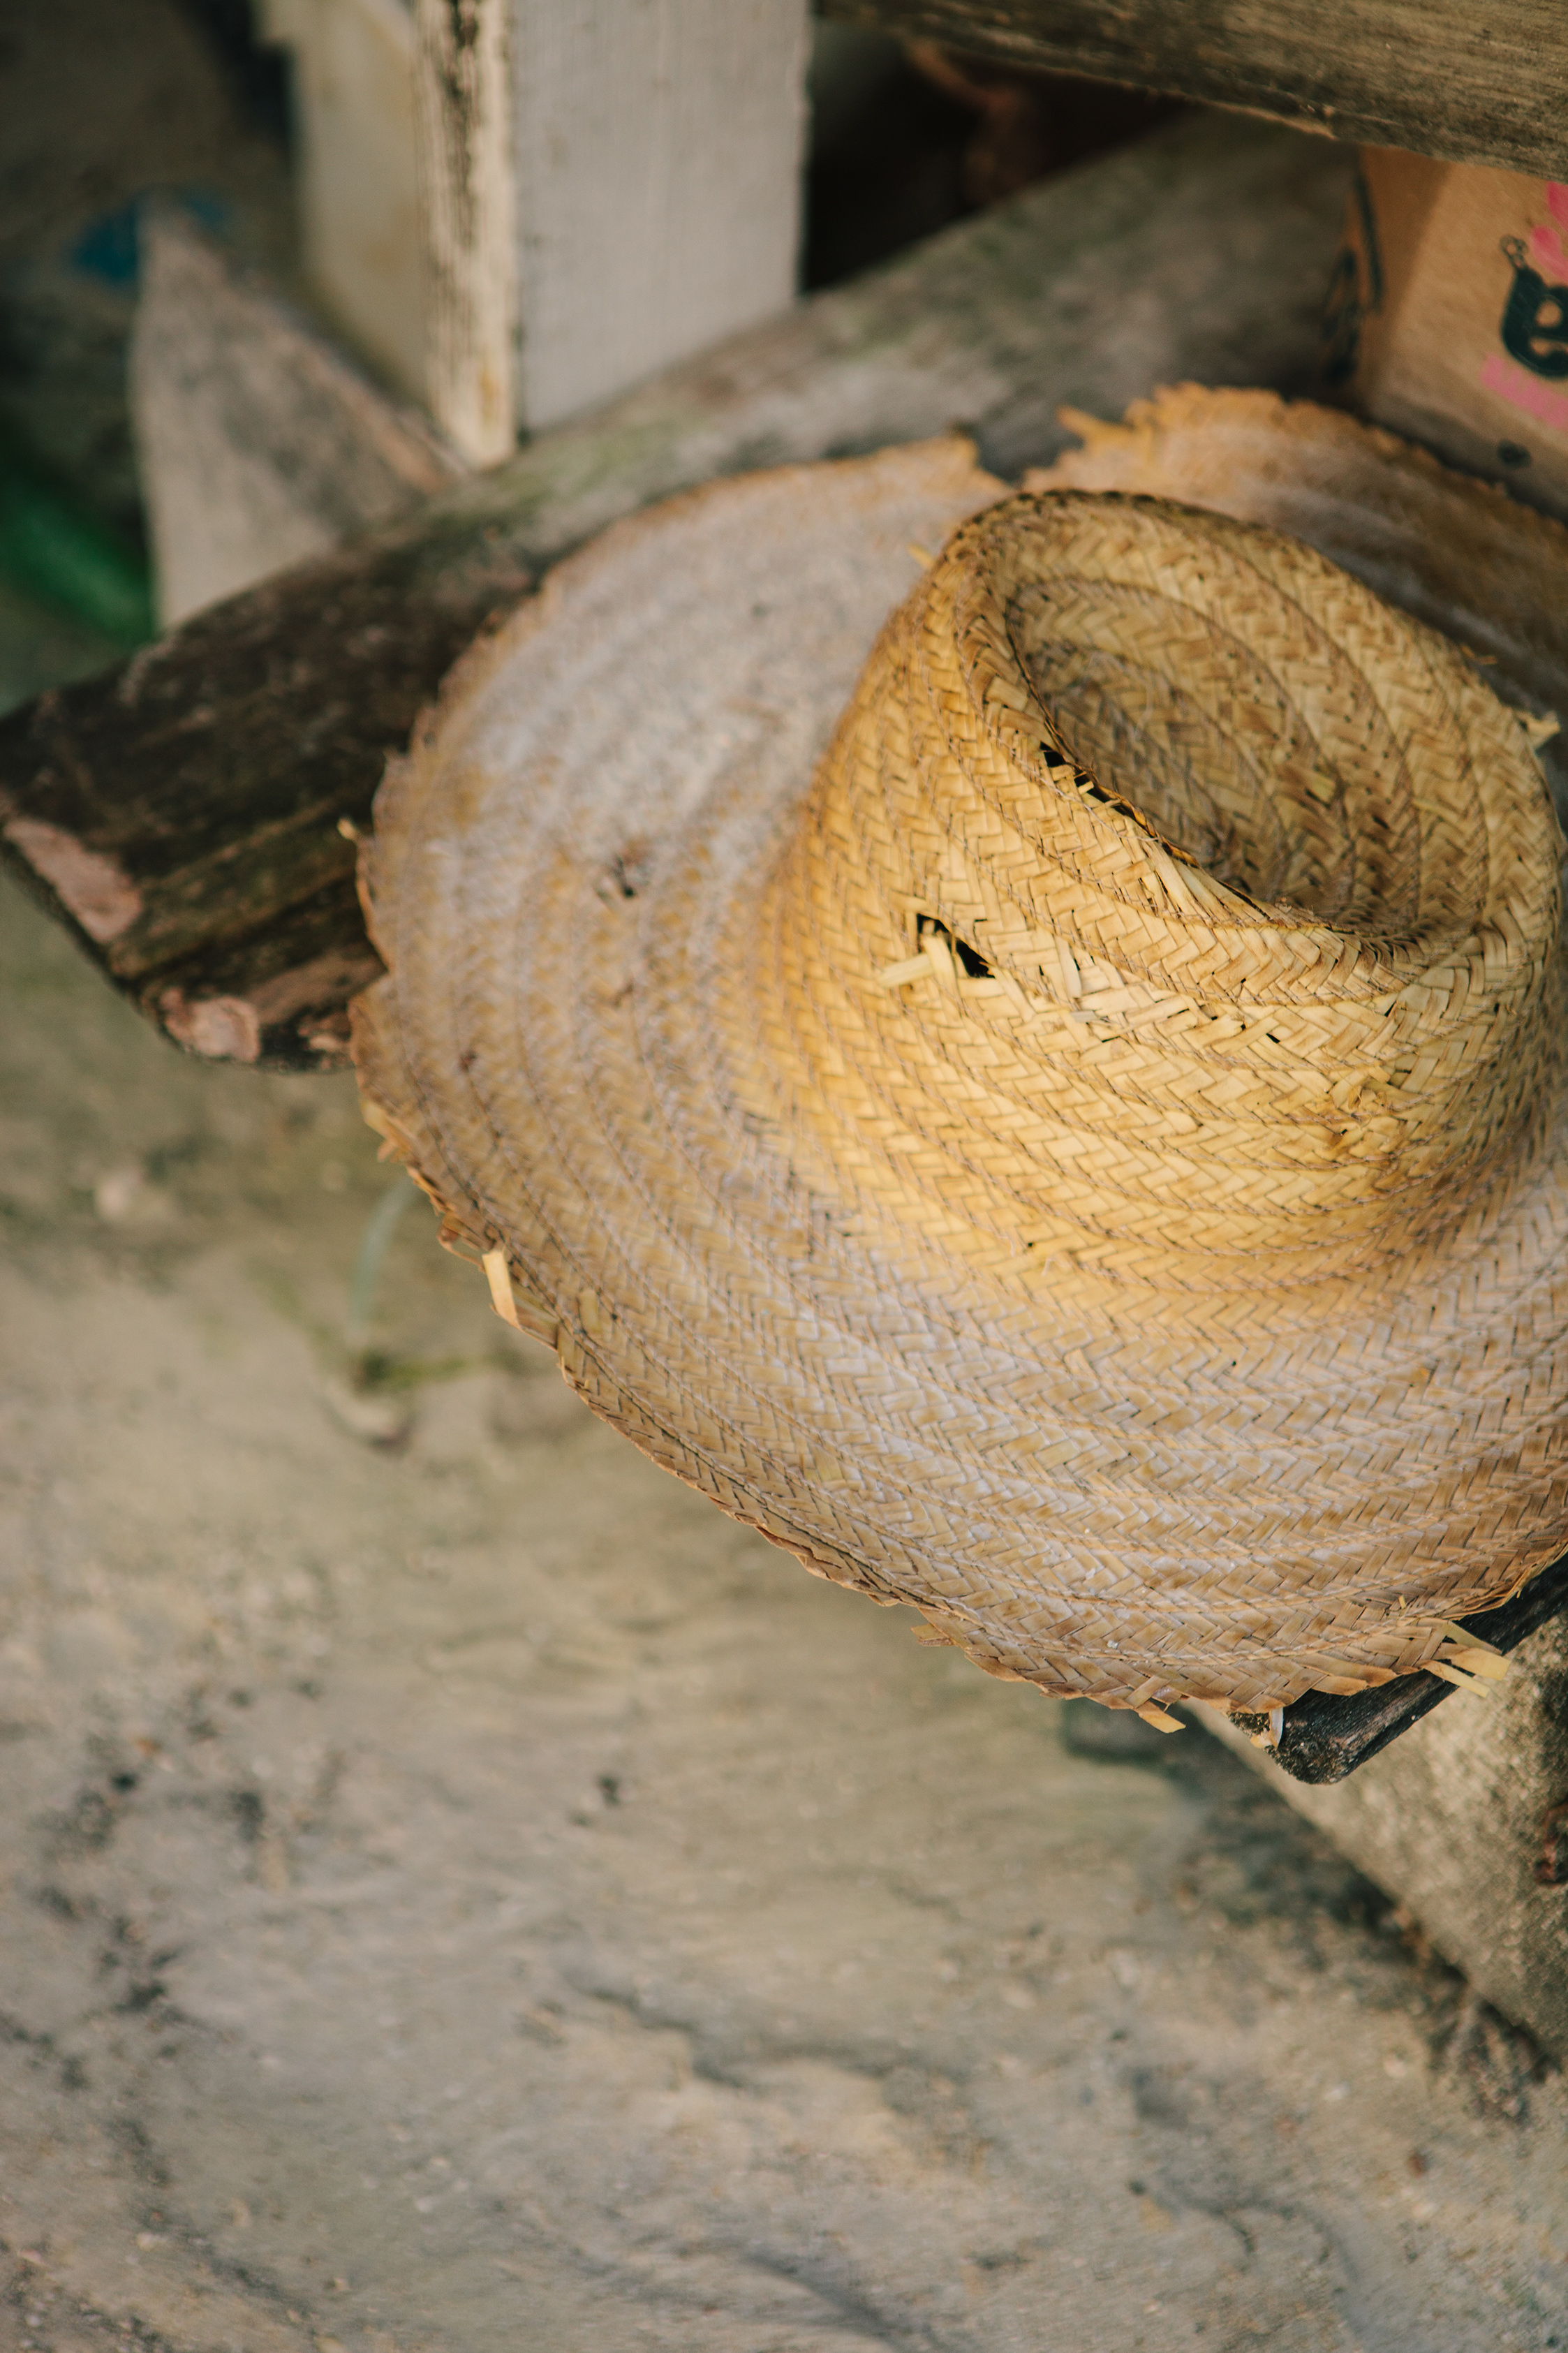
<point>625,875</point>
<point>970,963</point>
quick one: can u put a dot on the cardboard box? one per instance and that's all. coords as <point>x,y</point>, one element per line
<point>1447,316</point>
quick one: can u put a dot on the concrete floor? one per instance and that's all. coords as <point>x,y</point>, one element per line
<point>462,1892</point>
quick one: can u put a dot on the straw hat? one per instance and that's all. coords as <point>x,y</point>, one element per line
<point>1079,1145</point>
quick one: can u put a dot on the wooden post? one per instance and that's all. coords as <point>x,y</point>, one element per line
<point>1464,1823</point>
<point>607,189</point>
<point>468,195</point>
<point>569,198</point>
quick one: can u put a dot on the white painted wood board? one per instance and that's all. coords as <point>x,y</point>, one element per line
<point>356,175</point>
<point>515,209</point>
<point>257,445</point>
<point>658,149</point>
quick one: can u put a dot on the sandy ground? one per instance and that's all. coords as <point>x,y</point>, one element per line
<point>460,1893</point>
<point>463,1893</point>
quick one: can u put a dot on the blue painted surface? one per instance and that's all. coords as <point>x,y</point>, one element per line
<point>108,248</point>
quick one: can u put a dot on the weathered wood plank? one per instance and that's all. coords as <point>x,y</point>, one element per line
<point>517,210</point>
<point>468,204</point>
<point>257,445</point>
<point>1472,83</point>
<point>183,813</point>
<point>1462,1824</point>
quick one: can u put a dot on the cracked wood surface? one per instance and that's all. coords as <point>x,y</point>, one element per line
<point>189,815</point>
<point>1473,85</point>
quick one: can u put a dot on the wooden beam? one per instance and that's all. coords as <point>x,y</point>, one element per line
<point>257,445</point>
<point>1473,82</point>
<point>1462,1826</point>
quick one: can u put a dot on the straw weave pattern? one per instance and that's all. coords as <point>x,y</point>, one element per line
<point>1087,1160</point>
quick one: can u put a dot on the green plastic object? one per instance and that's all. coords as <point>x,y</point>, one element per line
<point>52,548</point>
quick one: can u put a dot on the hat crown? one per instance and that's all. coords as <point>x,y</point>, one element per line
<point>1178,904</point>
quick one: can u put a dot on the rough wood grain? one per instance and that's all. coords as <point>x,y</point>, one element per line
<point>467,198</point>
<point>1474,84</point>
<point>183,813</point>
<point>1325,1738</point>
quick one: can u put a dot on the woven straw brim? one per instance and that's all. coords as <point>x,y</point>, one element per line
<point>1088,1161</point>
